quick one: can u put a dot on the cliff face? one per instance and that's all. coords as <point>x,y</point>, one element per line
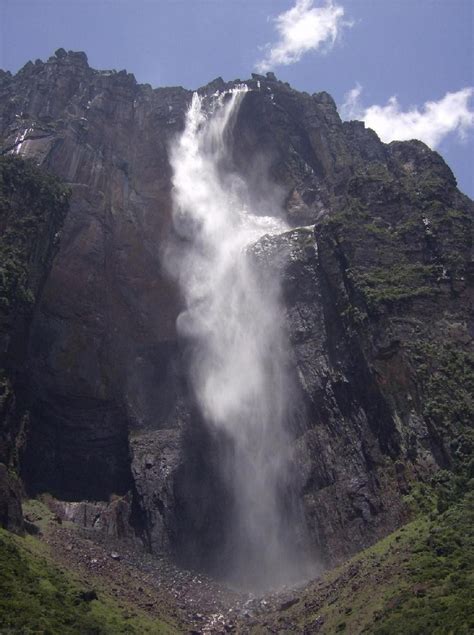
<point>379,311</point>
<point>377,289</point>
<point>32,209</point>
<point>106,327</point>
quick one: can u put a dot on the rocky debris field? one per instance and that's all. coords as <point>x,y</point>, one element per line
<point>416,580</point>
<point>154,585</point>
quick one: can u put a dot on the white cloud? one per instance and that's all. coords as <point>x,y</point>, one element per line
<point>301,29</point>
<point>431,123</point>
<point>352,108</point>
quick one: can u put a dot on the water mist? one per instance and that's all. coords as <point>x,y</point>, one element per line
<point>233,322</point>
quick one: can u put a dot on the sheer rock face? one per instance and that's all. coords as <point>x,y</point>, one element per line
<point>32,209</point>
<point>381,412</point>
<point>100,342</point>
<point>378,296</point>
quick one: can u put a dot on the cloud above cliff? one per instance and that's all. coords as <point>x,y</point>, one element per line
<point>431,123</point>
<point>302,29</point>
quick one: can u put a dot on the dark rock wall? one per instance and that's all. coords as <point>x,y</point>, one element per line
<point>378,298</point>
<point>378,379</point>
<point>107,310</point>
<point>32,209</point>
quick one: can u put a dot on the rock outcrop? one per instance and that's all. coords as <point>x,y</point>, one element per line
<point>377,289</point>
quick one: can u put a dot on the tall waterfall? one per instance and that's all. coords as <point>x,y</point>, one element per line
<point>234,320</point>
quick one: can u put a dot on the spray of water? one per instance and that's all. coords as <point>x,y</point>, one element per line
<point>233,318</point>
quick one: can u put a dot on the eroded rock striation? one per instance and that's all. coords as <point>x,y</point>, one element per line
<point>377,285</point>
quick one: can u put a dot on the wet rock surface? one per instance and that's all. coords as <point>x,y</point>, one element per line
<point>156,457</point>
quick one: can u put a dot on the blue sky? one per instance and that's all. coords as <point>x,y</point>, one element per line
<point>417,51</point>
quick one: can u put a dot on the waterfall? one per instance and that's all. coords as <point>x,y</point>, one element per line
<point>233,318</point>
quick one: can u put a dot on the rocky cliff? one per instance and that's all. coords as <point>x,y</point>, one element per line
<point>32,209</point>
<point>377,279</point>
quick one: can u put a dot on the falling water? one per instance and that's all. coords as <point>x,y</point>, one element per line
<point>234,319</point>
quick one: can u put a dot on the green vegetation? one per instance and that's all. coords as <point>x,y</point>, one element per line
<point>354,215</point>
<point>393,284</point>
<point>37,598</point>
<point>417,581</point>
<point>446,373</point>
<point>437,595</point>
<point>32,204</point>
<point>399,234</point>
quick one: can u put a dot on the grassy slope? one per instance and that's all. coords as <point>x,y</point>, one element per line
<point>37,597</point>
<point>417,581</point>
